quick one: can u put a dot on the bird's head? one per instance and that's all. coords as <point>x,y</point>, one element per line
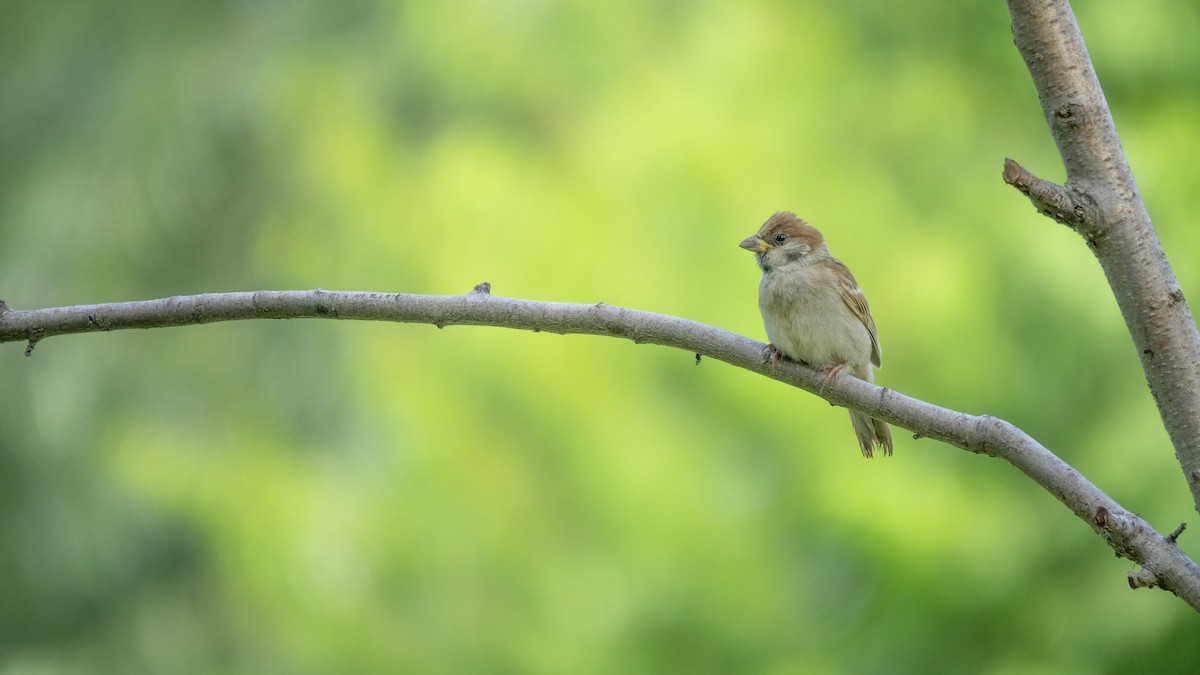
<point>784,241</point>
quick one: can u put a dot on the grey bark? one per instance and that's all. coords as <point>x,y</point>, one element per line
<point>1100,201</point>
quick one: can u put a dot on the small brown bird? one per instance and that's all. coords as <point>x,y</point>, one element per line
<point>814,311</point>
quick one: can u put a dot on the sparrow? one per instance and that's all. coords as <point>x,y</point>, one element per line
<point>815,313</point>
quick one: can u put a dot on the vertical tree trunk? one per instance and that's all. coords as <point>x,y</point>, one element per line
<point>1100,201</point>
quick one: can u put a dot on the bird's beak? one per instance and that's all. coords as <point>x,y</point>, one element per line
<point>754,243</point>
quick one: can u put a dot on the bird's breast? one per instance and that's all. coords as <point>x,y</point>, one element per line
<point>806,318</point>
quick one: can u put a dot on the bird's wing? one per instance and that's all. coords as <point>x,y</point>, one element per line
<point>853,296</point>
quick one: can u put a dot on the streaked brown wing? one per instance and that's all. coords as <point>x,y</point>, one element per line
<point>853,296</point>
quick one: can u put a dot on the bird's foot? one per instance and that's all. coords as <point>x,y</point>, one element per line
<point>831,371</point>
<point>771,354</point>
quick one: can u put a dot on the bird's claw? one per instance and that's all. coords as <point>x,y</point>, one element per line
<point>831,371</point>
<point>771,354</point>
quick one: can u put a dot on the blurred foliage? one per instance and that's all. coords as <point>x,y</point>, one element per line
<point>348,497</point>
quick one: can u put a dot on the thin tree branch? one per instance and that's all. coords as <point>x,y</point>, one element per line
<point>1164,565</point>
<point>1100,201</point>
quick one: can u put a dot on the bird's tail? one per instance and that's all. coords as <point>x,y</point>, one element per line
<point>870,431</point>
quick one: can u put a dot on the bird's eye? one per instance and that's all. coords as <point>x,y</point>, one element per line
<point>780,238</point>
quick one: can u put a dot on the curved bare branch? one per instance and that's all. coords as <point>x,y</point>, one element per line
<point>1164,565</point>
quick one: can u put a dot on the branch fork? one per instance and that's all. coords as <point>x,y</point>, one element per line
<point>1073,208</point>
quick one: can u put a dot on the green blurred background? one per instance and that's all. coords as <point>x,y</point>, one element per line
<point>320,496</point>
